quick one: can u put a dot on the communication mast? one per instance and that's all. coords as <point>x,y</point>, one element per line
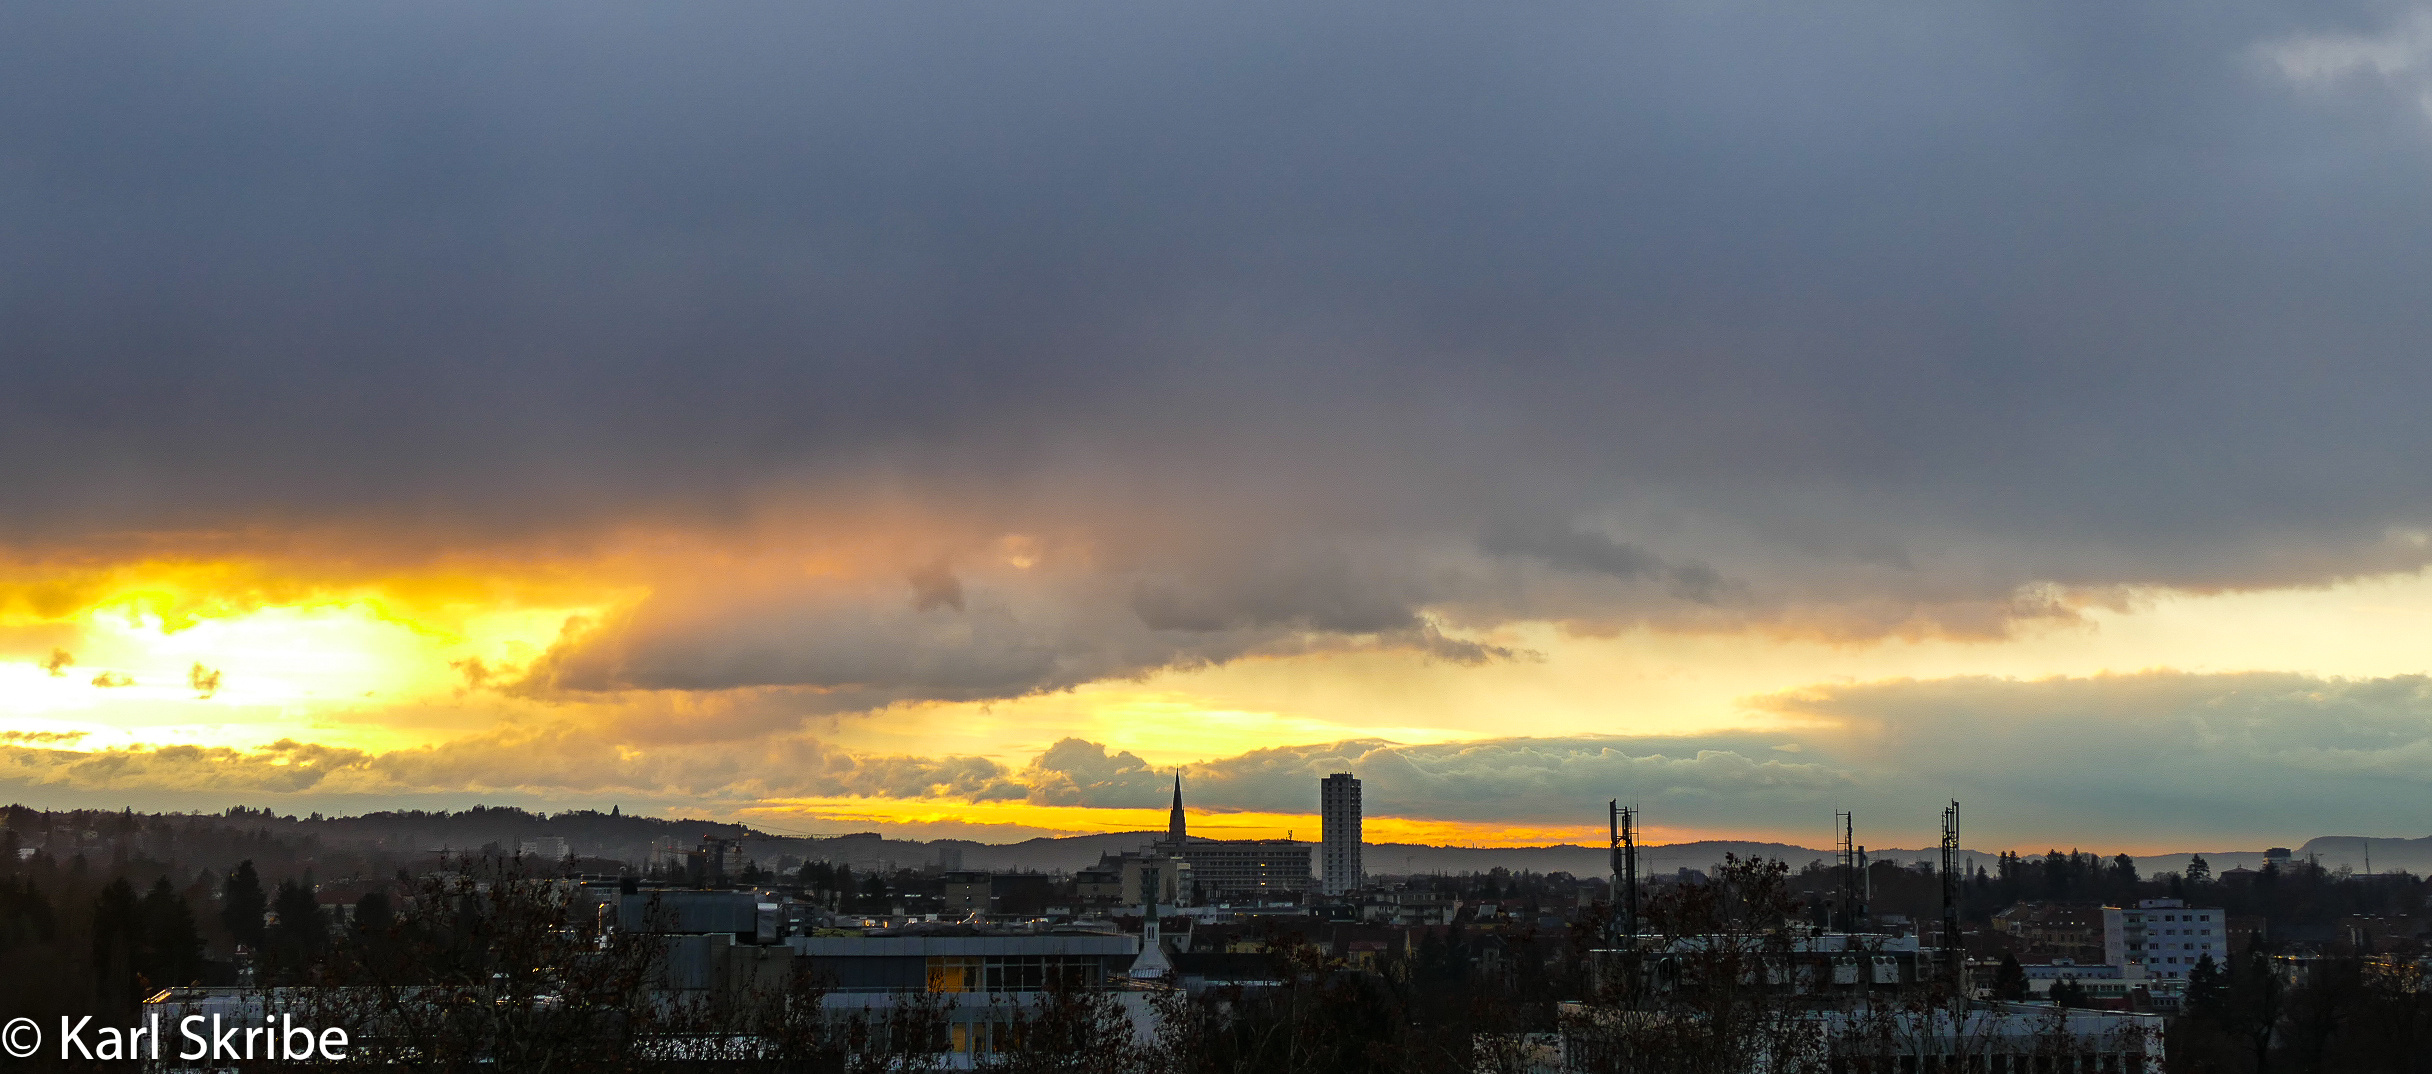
<point>1950,877</point>
<point>1624,825</point>
<point>1853,873</point>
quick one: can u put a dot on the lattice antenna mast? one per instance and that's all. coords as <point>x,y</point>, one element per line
<point>1950,877</point>
<point>1845,848</point>
<point>1624,828</point>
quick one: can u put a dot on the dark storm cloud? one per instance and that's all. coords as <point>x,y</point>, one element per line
<point>852,645</point>
<point>1723,309</point>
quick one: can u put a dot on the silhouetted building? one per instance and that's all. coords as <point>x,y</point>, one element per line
<point>2048,932</point>
<point>1339,857</point>
<point>1230,868</point>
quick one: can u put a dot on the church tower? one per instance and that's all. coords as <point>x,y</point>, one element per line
<point>1174,830</point>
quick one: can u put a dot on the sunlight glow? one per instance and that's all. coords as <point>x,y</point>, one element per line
<point>220,654</point>
<point>936,818</point>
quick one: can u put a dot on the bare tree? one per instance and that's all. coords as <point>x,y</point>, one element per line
<point>1710,991</point>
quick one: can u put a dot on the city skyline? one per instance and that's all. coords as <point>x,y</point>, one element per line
<point>950,423</point>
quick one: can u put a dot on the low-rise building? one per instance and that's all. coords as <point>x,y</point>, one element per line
<point>2107,987</point>
<point>1998,1038</point>
<point>982,982</point>
<point>2046,932</point>
<point>1832,964</point>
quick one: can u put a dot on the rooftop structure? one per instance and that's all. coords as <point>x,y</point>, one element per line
<point>1175,829</point>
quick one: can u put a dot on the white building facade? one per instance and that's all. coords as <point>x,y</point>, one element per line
<point>1340,869</point>
<point>2164,937</point>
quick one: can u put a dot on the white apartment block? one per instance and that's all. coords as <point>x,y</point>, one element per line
<point>2164,937</point>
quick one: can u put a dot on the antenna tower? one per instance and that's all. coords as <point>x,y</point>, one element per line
<point>1853,872</point>
<point>1624,826</point>
<point>1950,876</point>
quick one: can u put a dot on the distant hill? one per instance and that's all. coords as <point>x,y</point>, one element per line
<point>1068,853</point>
<point>1076,852</point>
<point>631,839</point>
<point>2385,855</point>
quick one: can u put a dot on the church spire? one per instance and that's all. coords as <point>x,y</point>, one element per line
<point>1174,831</point>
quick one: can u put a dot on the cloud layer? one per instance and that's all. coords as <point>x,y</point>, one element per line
<point>1246,326</point>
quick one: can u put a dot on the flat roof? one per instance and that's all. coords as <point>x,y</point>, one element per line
<point>923,946</point>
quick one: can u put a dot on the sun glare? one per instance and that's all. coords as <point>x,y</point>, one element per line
<point>225,655</point>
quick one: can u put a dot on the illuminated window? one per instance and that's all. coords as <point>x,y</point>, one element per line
<point>954,973</point>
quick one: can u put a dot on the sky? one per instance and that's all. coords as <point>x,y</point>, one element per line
<point>956,420</point>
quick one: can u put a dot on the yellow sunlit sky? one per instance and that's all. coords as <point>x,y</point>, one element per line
<point>381,666</point>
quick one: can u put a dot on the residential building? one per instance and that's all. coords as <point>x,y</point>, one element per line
<point>1227,870</point>
<point>1100,885</point>
<point>967,893</point>
<point>2048,932</point>
<point>2374,934</point>
<point>1339,856</point>
<point>1117,878</point>
<point>2166,937</point>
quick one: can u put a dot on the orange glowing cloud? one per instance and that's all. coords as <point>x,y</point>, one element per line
<point>1022,818</point>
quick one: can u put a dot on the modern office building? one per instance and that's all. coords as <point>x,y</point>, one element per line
<point>1339,853</point>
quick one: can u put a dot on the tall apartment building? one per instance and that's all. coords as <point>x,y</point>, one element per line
<point>1339,806</point>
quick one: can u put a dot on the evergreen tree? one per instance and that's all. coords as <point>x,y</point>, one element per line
<point>2123,871</point>
<point>25,915</point>
<point>242,904</point>
<point>172,951</point>
<point>2198,870</point>
<point>2010,980</point>
<point>374,912</point>
<point>301,934</point>
<point>2207,993</point>
<point>117,927</point>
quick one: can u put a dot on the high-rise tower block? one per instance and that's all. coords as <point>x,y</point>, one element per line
<point>1339,870</point>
